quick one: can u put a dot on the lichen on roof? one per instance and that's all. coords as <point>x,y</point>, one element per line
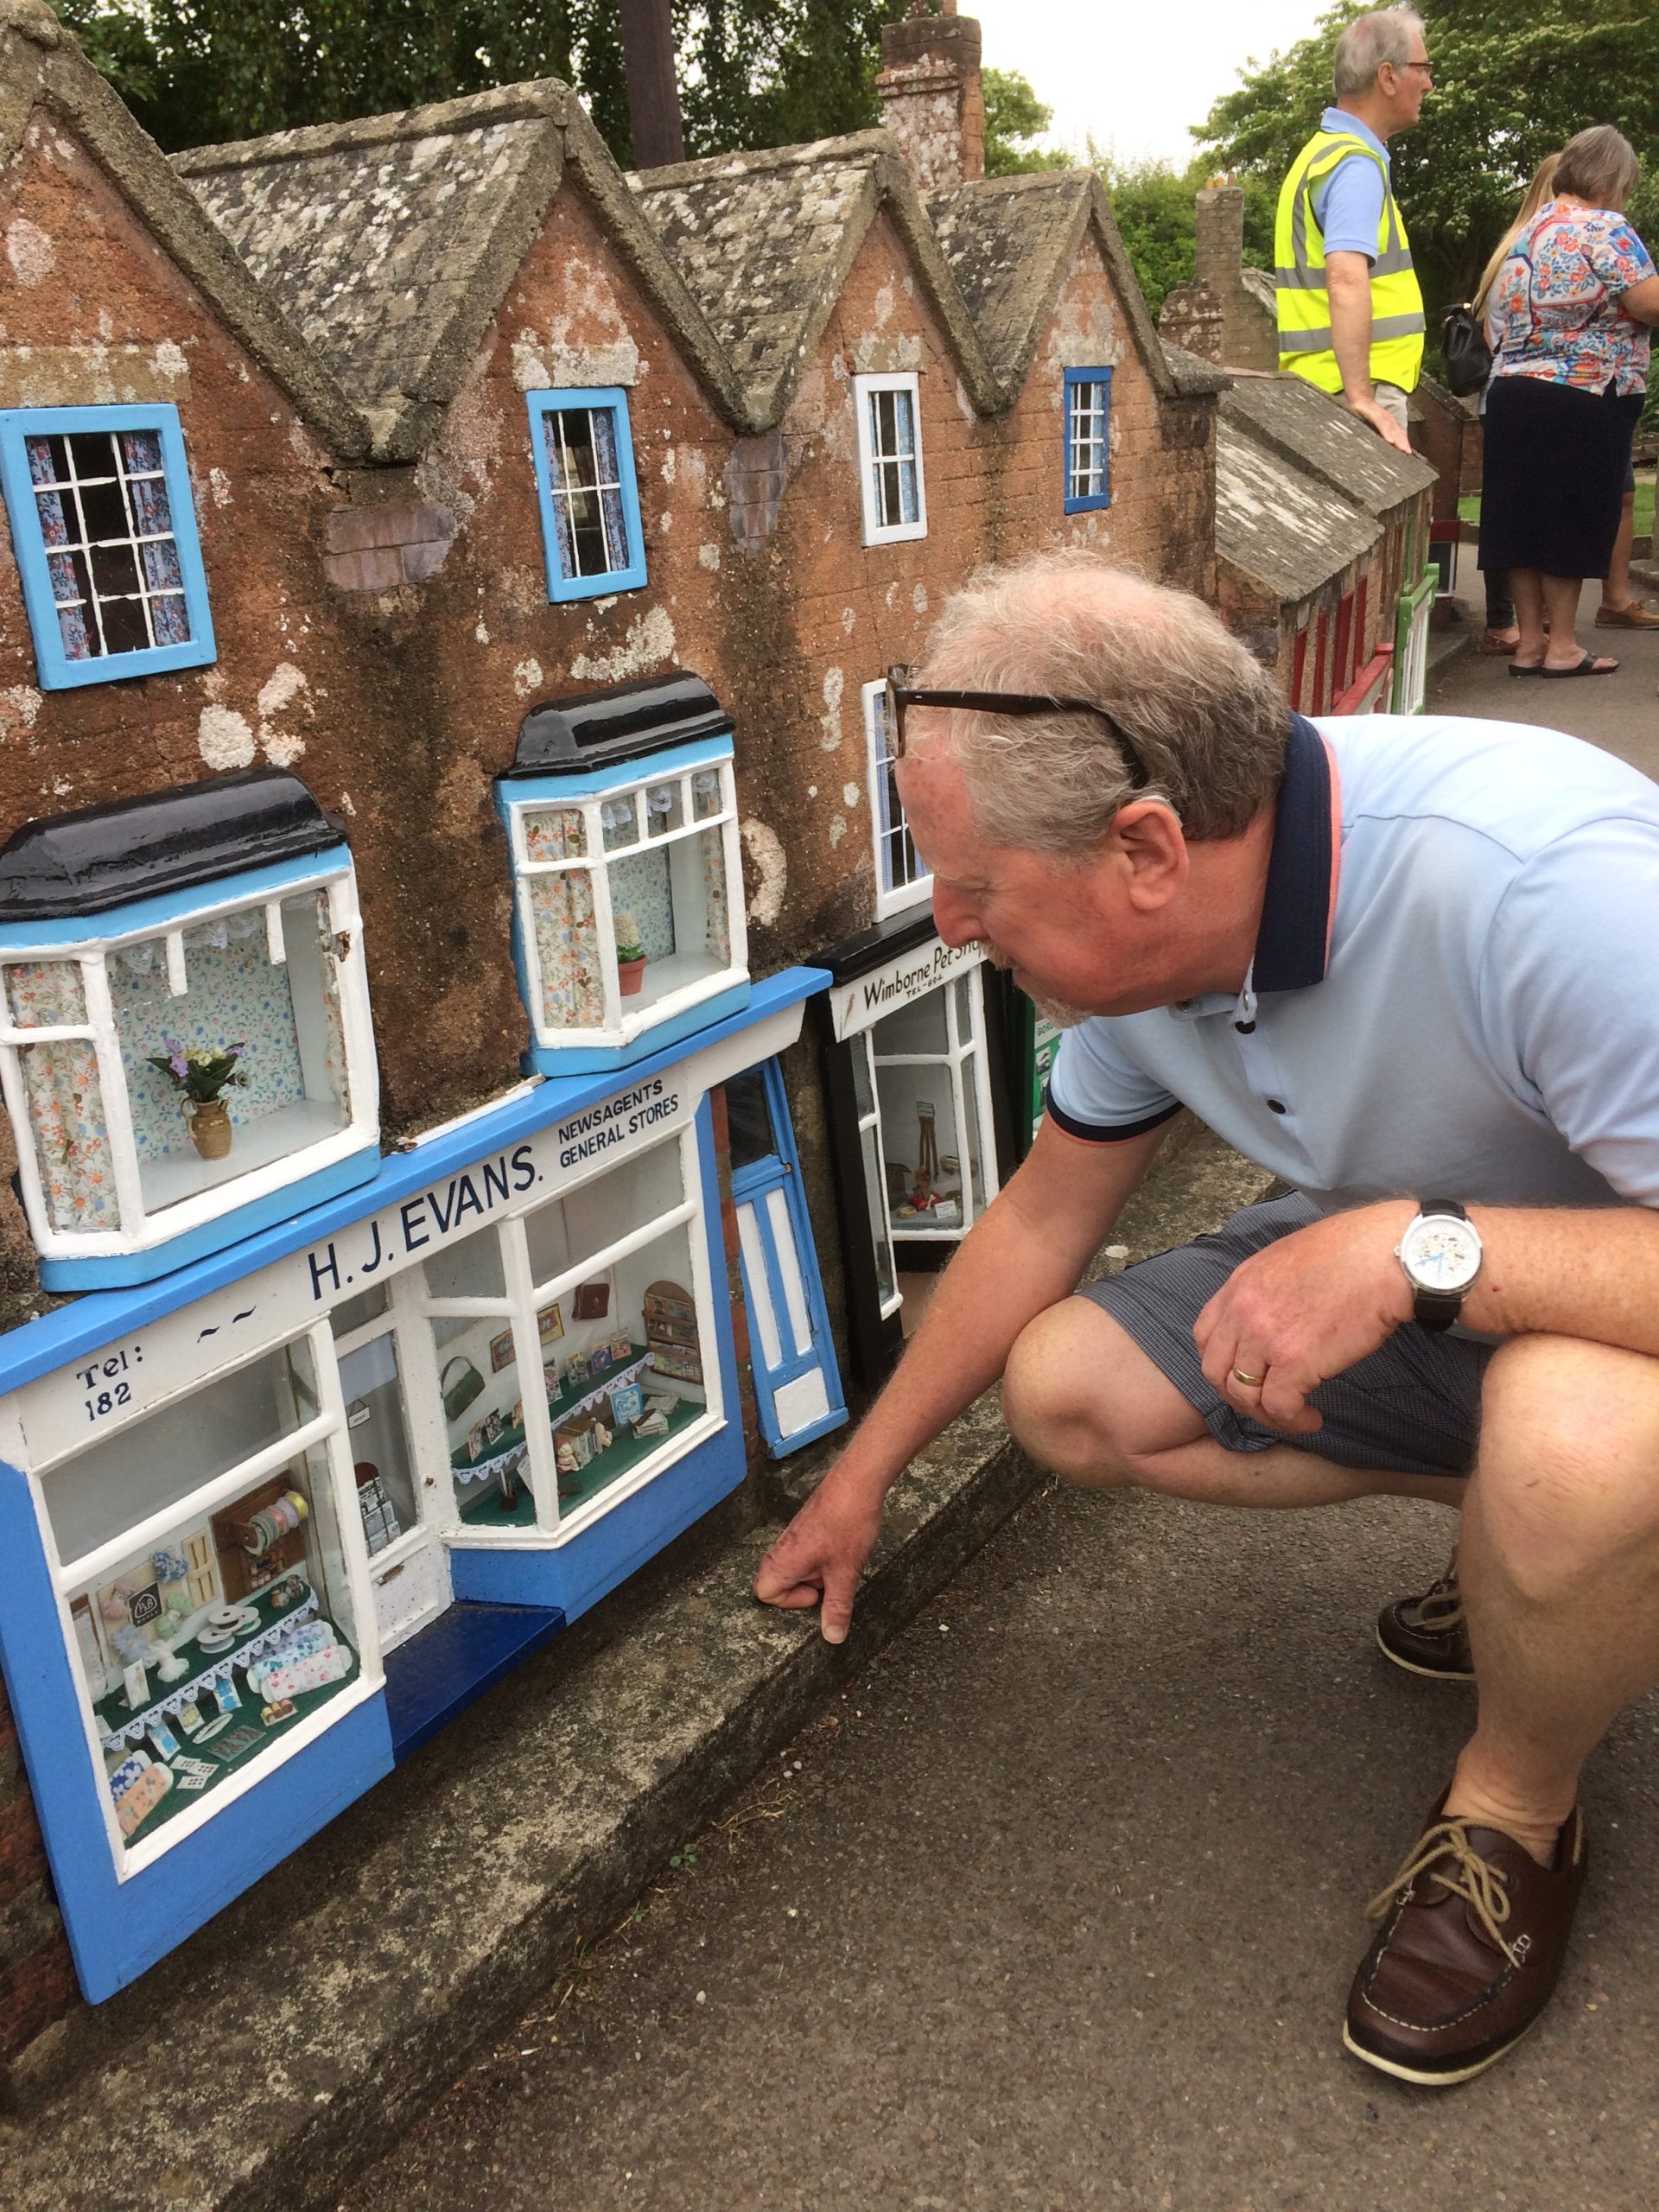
<point>1316,433</point>
<point>370,235</point>
<point>1277,523</point>
<point>1004,237</point>
<point>759,239</point>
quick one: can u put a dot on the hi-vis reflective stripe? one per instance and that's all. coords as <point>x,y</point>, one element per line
<point>1317,339</point>
<point>1302,283</point>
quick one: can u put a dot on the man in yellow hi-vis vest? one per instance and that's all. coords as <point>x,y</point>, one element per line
<point>1351,314</point>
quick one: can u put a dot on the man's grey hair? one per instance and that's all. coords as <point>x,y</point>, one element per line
<point>1368,42</point>
<point>1203,713</point>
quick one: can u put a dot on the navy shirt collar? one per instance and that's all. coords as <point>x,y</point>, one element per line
<point>1294,934</point>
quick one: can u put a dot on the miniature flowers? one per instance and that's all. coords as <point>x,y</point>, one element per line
<point>628,946</point>
<point>201,1074</point>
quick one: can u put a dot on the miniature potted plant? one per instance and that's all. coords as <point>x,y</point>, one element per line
<point>200,1076</point>
<point>630,954</point>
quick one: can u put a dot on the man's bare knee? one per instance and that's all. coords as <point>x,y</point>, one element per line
<point>1569,1442</point>
<point>1082,1397</point>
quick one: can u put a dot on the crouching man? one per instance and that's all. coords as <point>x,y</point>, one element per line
<point>1409,966</point>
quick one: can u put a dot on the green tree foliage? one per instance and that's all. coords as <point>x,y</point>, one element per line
<point>1013,117</point>
<point>753,72</point>
<point>1512,83</point>
<point>1153,202</point>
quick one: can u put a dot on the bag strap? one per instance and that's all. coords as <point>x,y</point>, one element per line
<point>458,1360</point>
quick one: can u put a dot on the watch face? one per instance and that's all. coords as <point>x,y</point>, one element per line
<point>1440,1253</point>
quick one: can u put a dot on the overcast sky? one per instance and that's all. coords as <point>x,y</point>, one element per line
<point>1135,74</point>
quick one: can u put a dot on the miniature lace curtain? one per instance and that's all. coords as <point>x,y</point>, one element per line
<point>567,929</point>
<point>334,1060</point>
<point>66,1099</point>
<point>719,937</point>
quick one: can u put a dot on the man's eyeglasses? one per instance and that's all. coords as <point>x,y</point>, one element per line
<point>899,695</point>
<point>1428,68</point>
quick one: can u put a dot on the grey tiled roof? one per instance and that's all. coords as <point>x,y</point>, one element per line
<point>1313,432</point>
<point>370,241</point>
<point>1276,523</point>
<point>1004,238</point>
<point>392,242</point>
<point>765,241</point>
<point>759,239</point>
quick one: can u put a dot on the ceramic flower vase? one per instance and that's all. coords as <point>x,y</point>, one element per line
<point>210,1127</point>
<point>630,974</point>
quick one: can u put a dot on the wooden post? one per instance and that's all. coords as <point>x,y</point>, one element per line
<point>653,94</point>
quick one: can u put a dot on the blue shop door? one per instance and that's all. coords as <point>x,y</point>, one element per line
<point>796,1384</point>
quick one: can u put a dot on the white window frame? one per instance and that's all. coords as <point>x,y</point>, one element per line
<point>866,391</point>
<point>141,1230</point>
<point>325,1431</point>
<point>891,897</point>
<point>621,1022</point>
<point>957,1051</point>
<point>521,1299</point>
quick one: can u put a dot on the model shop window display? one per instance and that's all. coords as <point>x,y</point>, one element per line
<point>184,1023</point>
<point>201,1564</point>
<point>622,817</point>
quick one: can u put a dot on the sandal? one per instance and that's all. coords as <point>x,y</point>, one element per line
<point>1498,645</point>
<point>1592,664</point>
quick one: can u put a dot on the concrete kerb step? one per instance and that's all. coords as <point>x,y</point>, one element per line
<point>291,2043</point>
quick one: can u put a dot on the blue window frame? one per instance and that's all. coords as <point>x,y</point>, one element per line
<point>103,528</point>
<point>583,446</point>
<point>1088,455</point>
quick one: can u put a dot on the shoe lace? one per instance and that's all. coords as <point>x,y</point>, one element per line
<point>1472,1877</point>
<point>1440,1606</point>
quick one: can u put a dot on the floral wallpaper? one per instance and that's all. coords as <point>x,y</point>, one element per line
<point>639,883</point>
<point>235,993</point>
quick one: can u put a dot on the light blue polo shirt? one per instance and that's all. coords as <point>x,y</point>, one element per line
<point>1455,988</point>
<point>1348,205</point>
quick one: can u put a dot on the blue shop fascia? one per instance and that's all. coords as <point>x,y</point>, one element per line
<point>329,1440</point>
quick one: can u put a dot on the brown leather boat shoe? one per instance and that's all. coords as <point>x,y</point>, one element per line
<point>1428,1635</point>
<point>1635,614</point>
<point>1474,1934</point>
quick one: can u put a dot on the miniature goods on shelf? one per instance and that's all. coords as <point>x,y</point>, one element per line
<point>279,1710</point>
<point>501,1351</point>
<point>671,1318</point>
<point>239,1740</point>
<point>215,1727</point>
<point>550,1324</point>
<point>217,1639</point>
<point>286,1593</point>
<point>135,1680</point>
<point>650,1424</point>
<point>621,1348</point>
<point>190,1716</point>
<point>627,1403</point>
<point>140,1799</point>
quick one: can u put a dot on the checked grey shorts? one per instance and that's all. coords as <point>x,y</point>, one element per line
<point>1412,1408</point>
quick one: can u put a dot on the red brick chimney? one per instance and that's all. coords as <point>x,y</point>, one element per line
<point>931,100</point>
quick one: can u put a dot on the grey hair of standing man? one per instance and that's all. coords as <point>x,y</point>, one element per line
<point>1387,35</point>
<point>1202,713</point>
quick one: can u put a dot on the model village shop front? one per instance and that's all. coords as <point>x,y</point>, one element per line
<point>269,1522</point>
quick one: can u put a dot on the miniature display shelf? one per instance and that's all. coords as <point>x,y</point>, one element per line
<point>112,1714</point>
<point>181,1174</point>
<point>624,1452</point>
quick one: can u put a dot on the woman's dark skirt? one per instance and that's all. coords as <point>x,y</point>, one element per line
<point>1553,478</point>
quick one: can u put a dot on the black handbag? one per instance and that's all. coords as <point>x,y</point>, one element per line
<point>1465,354</point>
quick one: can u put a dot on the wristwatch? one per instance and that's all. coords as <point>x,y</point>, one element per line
<point>1441,1253</point>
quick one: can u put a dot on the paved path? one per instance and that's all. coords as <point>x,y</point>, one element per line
<point>1056,1908</point>
<point>1620,711</point>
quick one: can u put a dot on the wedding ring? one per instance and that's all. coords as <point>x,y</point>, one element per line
<point>1250,1381</point>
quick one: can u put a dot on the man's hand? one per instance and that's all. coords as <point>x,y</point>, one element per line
<point>821,1555</point>
<point>1304,1310</point>
<point>1369,410</point>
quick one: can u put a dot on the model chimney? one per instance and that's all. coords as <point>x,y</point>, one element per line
<point>931,100</point>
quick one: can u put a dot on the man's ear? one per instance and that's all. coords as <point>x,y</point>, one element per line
<point>1152,851</point>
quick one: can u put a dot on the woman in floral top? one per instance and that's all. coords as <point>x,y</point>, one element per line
<point>1569,312</point>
